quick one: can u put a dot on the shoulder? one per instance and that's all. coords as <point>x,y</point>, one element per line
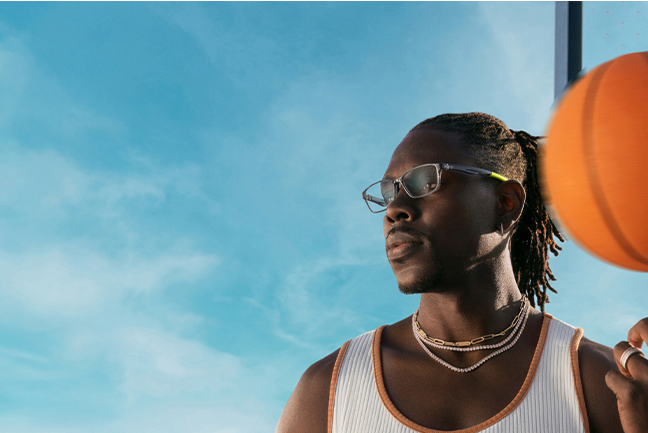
<point>595,360</point>
<point>307,408</point>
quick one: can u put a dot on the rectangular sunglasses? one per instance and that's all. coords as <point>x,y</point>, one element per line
<point>417,182</point>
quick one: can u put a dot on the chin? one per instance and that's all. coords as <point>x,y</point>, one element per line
<point>416,287</point>
<point>411,290</point>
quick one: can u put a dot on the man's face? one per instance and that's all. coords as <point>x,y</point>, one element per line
<point>432,241</point>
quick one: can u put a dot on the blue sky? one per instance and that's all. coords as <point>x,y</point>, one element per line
<point>181,229</point>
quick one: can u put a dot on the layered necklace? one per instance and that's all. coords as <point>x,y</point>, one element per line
<point>517,327</point>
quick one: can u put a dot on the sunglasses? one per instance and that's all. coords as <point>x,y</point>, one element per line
<point>417,182</point>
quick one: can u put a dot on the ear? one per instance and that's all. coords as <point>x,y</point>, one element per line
<point>511,197</point>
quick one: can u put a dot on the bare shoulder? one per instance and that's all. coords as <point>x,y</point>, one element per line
<point>595,360</point>
<point>307,408</point>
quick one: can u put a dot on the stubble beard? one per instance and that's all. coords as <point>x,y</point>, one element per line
<point>428,281</point>
<point>424,284</point>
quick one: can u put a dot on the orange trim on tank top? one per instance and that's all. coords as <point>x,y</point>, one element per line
<point>382,391</point>
<point>334,380</point>
<point>573,355</point>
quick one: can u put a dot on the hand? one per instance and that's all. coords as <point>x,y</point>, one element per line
<point>631,385</point>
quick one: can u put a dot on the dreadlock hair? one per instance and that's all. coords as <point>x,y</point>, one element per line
<point>514,155</point>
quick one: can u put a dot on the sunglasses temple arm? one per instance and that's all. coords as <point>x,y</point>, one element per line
<point>376,200</point>
<point>477,171</point>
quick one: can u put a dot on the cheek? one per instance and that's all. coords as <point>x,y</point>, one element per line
<point>484,213</point>
<point>478,218</point>
<point>478,209</point>
<point>465,221</point>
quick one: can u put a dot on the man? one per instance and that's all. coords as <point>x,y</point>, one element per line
<point>465,227</point>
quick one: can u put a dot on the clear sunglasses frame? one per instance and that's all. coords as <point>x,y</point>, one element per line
<point>440,167</point>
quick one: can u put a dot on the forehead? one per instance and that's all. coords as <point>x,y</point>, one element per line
<point>427,146</point>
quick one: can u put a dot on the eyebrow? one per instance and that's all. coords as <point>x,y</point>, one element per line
<point>396,177</point>
<point>408,169</point>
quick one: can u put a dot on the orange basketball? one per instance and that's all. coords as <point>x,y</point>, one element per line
<point>594,168</point>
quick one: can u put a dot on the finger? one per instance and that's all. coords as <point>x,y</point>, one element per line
<point>631,401</point>
<point>636,366</point>
<point>617,382</point>
<point>639,333</point>
<point>618,351</point>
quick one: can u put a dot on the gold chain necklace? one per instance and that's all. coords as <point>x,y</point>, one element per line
<point>517,334</point>
<point>477,340</point>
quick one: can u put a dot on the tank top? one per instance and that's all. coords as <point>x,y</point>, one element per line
<point>550,400</point>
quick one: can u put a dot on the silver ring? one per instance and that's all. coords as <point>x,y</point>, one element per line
<point>627,354</point>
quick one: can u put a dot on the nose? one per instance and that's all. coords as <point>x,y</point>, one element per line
<point>402,208</point>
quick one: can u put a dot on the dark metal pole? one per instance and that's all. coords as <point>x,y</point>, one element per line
<point>569,44</point>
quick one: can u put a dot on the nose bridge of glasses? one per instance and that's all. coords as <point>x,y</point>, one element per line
<point>402,204</point>
<point>398,185</point>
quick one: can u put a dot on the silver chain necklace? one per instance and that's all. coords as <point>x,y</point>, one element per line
<point>484,359</point>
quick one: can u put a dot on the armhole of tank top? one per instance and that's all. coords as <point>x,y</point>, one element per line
<point>384,397</point>
<point>334,380</point>
<point>573,354</point>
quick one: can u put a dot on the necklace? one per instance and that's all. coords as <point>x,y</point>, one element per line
<point>438,342</point>
<point>475,348</point>
<point>481,361</point>
<point>432,342</point>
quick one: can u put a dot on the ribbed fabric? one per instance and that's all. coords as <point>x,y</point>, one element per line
<point>551,403</point>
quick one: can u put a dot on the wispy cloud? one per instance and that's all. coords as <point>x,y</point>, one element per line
<point>40,183</point>
<point>46,274</point>
<point>73,280</point>
<point>163,383</point>
<point>45,184</point>
<point>165,367</point>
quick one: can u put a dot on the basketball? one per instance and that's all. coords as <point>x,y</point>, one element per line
<point>594,166</point>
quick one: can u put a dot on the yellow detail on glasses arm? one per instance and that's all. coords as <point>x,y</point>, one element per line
<point>498,177</point>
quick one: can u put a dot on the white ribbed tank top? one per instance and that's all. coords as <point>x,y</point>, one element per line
<point>550,400</point>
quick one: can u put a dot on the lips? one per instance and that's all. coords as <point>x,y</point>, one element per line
<point>399,245</point>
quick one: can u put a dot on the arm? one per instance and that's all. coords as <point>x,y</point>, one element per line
<point>307,408</point>
<point>595,360</point>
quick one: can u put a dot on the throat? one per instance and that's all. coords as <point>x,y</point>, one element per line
<point>452,318</point>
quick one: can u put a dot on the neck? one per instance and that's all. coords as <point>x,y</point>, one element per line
<point>471,308</point>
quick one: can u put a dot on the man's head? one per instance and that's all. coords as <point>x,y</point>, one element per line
<point>458,226</point>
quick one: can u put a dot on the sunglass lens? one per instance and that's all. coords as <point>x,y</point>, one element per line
<point>422,180</point>
<point>378,196</point>
<point>388,191</point>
